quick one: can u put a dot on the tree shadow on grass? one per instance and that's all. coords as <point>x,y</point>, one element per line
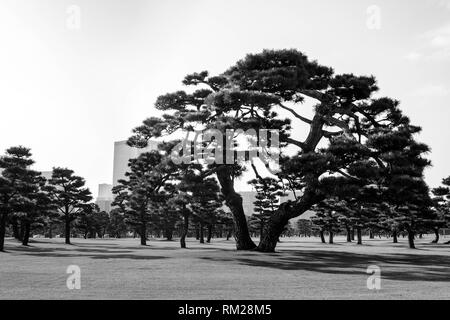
<point>72,252</point>
<point>403,267</point>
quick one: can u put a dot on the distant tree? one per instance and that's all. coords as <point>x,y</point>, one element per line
<point>92,221</point>
<point>289,230</point>
<point>85,220</point>
<point>39,207</point>
<point>304,227</point>
<point>14,184</point>
<point>166,215</point>
<point>141,193</point>
<point>101,222</point>
<point>226,223</point>
<point>327,218</point>
<point>402,183</point>
<point>117,227</point>
<point>179,203</point>
<point>71,196</point>
<point>441,205</point>
<point>268,194</point>
<point>206,203</point>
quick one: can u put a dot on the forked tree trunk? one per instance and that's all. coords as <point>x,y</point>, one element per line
<point>185,230</point>
<point>322,236</point>
<point>411,239</point>
<point>67,230</point>
<point>274,228</point>
<point>359,235</point>
<point>286,211</point>
<point>234,202</point>
<point>26,233</point>
<point>2,230</point>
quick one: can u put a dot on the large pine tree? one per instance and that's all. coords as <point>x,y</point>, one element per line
<point>270,90</point>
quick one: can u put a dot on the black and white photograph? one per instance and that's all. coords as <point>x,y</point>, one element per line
<point>236,152</point>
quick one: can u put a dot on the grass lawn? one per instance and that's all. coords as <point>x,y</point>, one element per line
<point>301,269</point>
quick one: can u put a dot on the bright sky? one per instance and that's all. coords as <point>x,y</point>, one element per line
<point>69,91</point>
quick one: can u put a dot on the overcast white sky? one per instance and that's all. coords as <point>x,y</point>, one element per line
<point>70,93</point>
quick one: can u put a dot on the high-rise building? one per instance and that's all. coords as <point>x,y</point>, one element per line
<point>123,153</point>
<point>105,197</point>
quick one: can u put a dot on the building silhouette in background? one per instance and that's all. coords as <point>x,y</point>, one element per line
<point>122,155</point>
<point>105,197</point>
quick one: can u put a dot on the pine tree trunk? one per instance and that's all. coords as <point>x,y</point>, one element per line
<point>331,237</point>
<point>395,236</point>
<point>411,239</point>
<point>349,236</point>
<point>15,229</point>
<point>21,230</point>
<point>202,236</point>
<point>197,232</point>
<point>168,234</point>
<point>210,229</point>
<point>322,237</point>
<point>234,202</point>
<point>143,234</point>
<point>50,231</point>
<point>436,232</point>
<point>184,231</point>
<point>2,230</point>
<point>67,230</point>
<point>273,230</point>
<point>261,231</point>
<point>359,235</point>
<point>280,218</point>
<point>26,233</point>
